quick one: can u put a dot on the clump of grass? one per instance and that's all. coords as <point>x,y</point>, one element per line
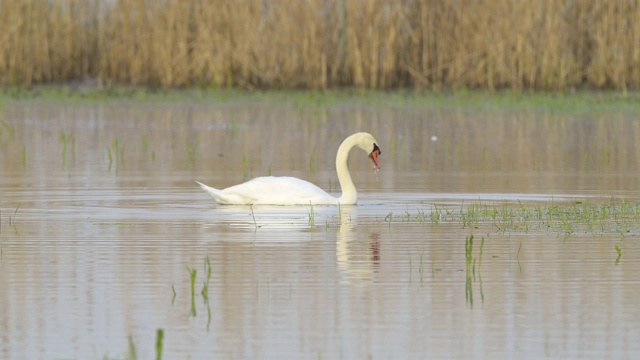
<point>616,216</point>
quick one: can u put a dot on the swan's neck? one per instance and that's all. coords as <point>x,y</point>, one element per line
<point>349,193</point>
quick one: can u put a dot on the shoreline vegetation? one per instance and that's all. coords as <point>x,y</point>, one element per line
<point>434,45</point>
<point>587,101</point>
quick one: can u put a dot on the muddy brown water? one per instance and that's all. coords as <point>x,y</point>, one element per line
<point>101,220</point>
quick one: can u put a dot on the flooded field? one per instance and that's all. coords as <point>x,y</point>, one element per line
<point>486,234</point>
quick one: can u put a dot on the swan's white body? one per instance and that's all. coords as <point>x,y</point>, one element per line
<point>270,190</point>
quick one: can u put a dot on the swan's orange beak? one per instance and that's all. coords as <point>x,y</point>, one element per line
<point>373,157</point>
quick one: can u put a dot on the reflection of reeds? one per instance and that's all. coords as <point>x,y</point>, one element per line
<point>115,153</point>
<point>323,43</point>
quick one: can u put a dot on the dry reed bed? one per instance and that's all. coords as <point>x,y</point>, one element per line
<point>540,44</point>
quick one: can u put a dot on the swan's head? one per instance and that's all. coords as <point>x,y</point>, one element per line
<point>369,144</point>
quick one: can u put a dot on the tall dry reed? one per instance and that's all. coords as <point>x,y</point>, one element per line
<point>490,44</point>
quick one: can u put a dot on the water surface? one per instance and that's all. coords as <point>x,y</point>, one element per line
<point>101,222</point>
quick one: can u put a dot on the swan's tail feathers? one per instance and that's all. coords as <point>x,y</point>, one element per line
<point>215,193</point>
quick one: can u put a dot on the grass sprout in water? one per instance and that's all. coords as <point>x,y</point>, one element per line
<point>253,215</point>
<point>159,343</point>
<point>312,216</point>
<point>193,273</point>
<point>133,354</point>
<point>205,289</point>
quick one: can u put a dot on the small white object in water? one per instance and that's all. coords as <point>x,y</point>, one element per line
<point>434,138</point>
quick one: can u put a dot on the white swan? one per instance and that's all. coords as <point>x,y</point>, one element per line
<point>270,190</point>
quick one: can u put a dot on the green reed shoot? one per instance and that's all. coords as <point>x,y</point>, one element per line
<point>312,216</point>
<point>12,221</point>
<point>468,249</point>
<point>192,274</point>
<point>159,345</point>
<point>481,249</point>
<point>389,219</point>
<point>205,287</point>
<point>255,224</point>
<point>421,267</point>
<point>408,215</point>
<point>518,255</point>
<point>619,251</point>
<point>133,354</point>
<point>410,269</point>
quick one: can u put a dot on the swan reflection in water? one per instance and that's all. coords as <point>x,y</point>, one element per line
<point>358,259</point>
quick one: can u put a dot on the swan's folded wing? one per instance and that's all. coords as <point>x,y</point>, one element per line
<point>280,191</point>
